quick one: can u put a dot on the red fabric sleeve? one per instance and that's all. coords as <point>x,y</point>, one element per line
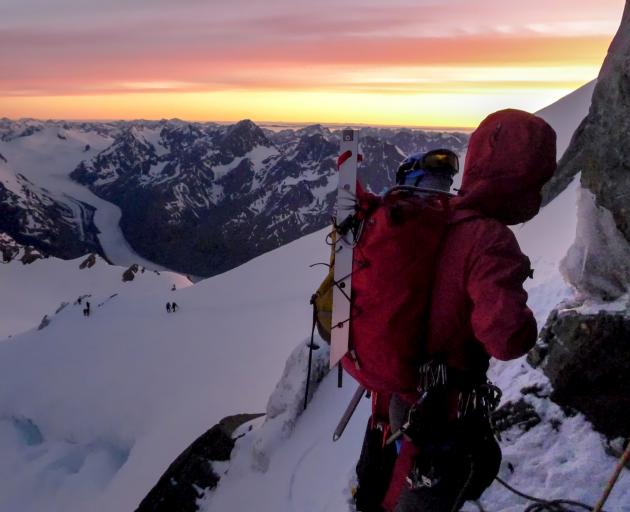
<point>500,318</point>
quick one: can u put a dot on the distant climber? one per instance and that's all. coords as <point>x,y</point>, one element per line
<point>86,310</point>
<point>175,307</point>
<point>168,307</point>
<point>173,288</point>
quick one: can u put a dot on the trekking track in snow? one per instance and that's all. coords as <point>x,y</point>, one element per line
<point>296,471</point>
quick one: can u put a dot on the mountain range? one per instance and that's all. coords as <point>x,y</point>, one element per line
<point>198,198</point>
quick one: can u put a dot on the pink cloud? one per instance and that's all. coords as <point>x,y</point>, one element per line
<point>78,46</point>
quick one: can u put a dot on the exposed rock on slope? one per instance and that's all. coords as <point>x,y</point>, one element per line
<point>587,360</point>
<point>192,473</point>
<point>11,250</point>
<point>31,217</point>
<point>599,150</point>
<point>585,352</point>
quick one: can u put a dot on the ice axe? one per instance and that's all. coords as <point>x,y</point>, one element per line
<point>343,422</point>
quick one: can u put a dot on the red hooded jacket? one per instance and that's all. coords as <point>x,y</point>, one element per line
<point>479,307</point>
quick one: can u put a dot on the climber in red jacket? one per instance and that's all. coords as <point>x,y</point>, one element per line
<point>478,311</point>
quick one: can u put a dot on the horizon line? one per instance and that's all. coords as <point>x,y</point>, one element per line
<point>287,124</point>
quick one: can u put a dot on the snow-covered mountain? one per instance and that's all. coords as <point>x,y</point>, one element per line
<point>42,206</point>
<point>31,215</point>
<point>202,199</point>
<point>199,198</point>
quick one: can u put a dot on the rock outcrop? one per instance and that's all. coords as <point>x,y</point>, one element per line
<point>585,351</point>
<point>11,250</point>
<point>587,359</point>
<point>192,473</point>
<point>130,273</point>
<point>88,262</point>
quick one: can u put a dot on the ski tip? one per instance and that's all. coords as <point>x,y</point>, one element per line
<point>336,437</point>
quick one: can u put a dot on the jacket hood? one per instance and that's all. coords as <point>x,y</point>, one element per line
<point>511,155</point>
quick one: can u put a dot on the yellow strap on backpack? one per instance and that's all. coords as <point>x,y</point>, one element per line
<point>322,299</point>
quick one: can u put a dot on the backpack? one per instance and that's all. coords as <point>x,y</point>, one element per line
<point>394,261</point>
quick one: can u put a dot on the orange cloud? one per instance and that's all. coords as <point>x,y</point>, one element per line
<point>78,58</point>
<point>301,66</point>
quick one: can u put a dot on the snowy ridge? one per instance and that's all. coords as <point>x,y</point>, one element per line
<point>566,114</point>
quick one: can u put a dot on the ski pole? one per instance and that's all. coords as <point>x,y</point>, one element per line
<point>343,422</point>
<point>311,346</point>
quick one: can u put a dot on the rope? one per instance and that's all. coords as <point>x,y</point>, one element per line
<point>541,505</point>
<point>460,497</point>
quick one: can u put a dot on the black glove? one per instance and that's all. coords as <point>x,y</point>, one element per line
<point>427,418</point>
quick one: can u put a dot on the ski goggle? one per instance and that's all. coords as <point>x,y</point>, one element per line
<point>414,167</point>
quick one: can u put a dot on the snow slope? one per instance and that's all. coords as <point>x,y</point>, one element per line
<point>38,289</point>
<point>308,472</point>
<point>92,410</point>
<point>566,114</point>
<point>47,157</point>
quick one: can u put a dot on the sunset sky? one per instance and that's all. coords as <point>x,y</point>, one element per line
<point>400,62</point>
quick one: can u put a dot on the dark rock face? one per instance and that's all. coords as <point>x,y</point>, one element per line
<point>587,360</point>
<point>130,273</point>
<point>202,199</point>
<point>599,150</point>
<point>11,250</point>
<point>520,413</point>
<point>191,474</point>
<point>88,262</point>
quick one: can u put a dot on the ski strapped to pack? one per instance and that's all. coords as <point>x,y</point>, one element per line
<point>342,239</point>
<point>344,245</point>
